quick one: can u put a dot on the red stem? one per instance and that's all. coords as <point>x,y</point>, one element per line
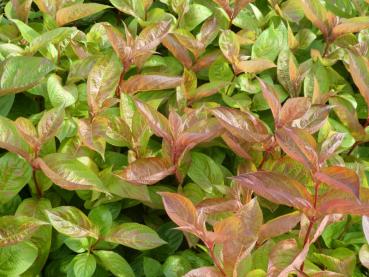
<point>215,259</point>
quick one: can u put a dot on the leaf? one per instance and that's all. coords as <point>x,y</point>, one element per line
<point>42,237</point>
<point>271,96</point>
<point>119,187</point>
<point>255,65</point>
<point>317,14</point>
<point>330,145</point>
<point>84,265</point>
<point>77,11</point>
<point>11,140</point>
<point>238,6</point>
<point>351,25</point>
<point>158,123</point>
<point>54,36</point>
<point>241,230</point>
<point>149,82</point>
<point>292,109</point>
<point>224,4</point>
<point>19,74</point>
<point>50,123</point>
<point>92,133</point>
<point>69,173</point>
<point>340,178</point>
<point>230,46</point>
<point>115,263</point>
<point>146,171</point>
<point>281,256</point>
<point>180,210</point>
<point>278,226</point>
<point>364,255</point>
<point>204,271</point>
<point>205,172</point>
<point>131,7</point>
<point>15,173</point>
<point>151,37</point>
<point>314,119</point>
<point>299,145</point>
<point>347,115</point>
<point>277,188</point>
<point>15,229</point>
<point>102,82</point>
<point>22,8</point>
<point>72,222</point>
<point>17,258</point>
<point>359,70</point>
<point>241,124</point>
<point>60,95</point>
<point>134,235</point>
<point>177,50</point>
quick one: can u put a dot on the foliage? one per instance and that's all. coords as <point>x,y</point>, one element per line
<point>184,138</point>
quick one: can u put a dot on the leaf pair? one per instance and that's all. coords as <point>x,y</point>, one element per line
<point>182,41</point>
<point>137,50</point>
<point>327,23</point>
<point>232,12</point>
<point>72,222</point>
<point>180,134</point>
<point>236,235</point>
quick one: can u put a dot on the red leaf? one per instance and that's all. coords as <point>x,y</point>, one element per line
<point>177,50</point>
<point>180,210</point>
<point>241,124</point>
<point>272,99</point>
<point>292,109</point>
<point>238,146</point>
<point>313,119</point>
<point>277,188</point>
<point>330,146</point>
<point>146,171</point>
<point>158,123</point>
<point>340,178</point>
<point>206,60</point>
<point>278,226</point>
<point>299,145</point>
<point>149,82</point>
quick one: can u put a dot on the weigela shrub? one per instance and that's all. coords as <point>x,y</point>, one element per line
<point>197,138</point>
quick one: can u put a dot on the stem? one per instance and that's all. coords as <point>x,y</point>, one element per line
<point>265,157</point>
<point>215,259</point>
<point>353,147</point>
<point>37,186</point>
<point>312,221</point>
<point>325,52</point>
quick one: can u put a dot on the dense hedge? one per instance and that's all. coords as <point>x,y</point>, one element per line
<point>197,138</point>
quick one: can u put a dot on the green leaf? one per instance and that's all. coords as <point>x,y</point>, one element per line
<point>205,172</point>
<point>60,95</point>
<point>77,11</point>
<point>69,173</point>
<point>54,36</point>
<point>115,263</point>
<point>15,229</point>
<point>196,14</point>
<point>15,173</point>
<point>72,222</point>
<point>6,103</point>
<point>152,268</point>
<point>135,235</point>
<point>42,237</point>
<point>84,265</point>
<point>269,43</point>
<point>175,266</point>
<point>131,7</point>
<point>16,259</point>
<point>19,74</point>
<point>102,218</point>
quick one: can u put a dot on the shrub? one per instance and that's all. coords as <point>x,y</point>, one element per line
<point>184,138</point>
